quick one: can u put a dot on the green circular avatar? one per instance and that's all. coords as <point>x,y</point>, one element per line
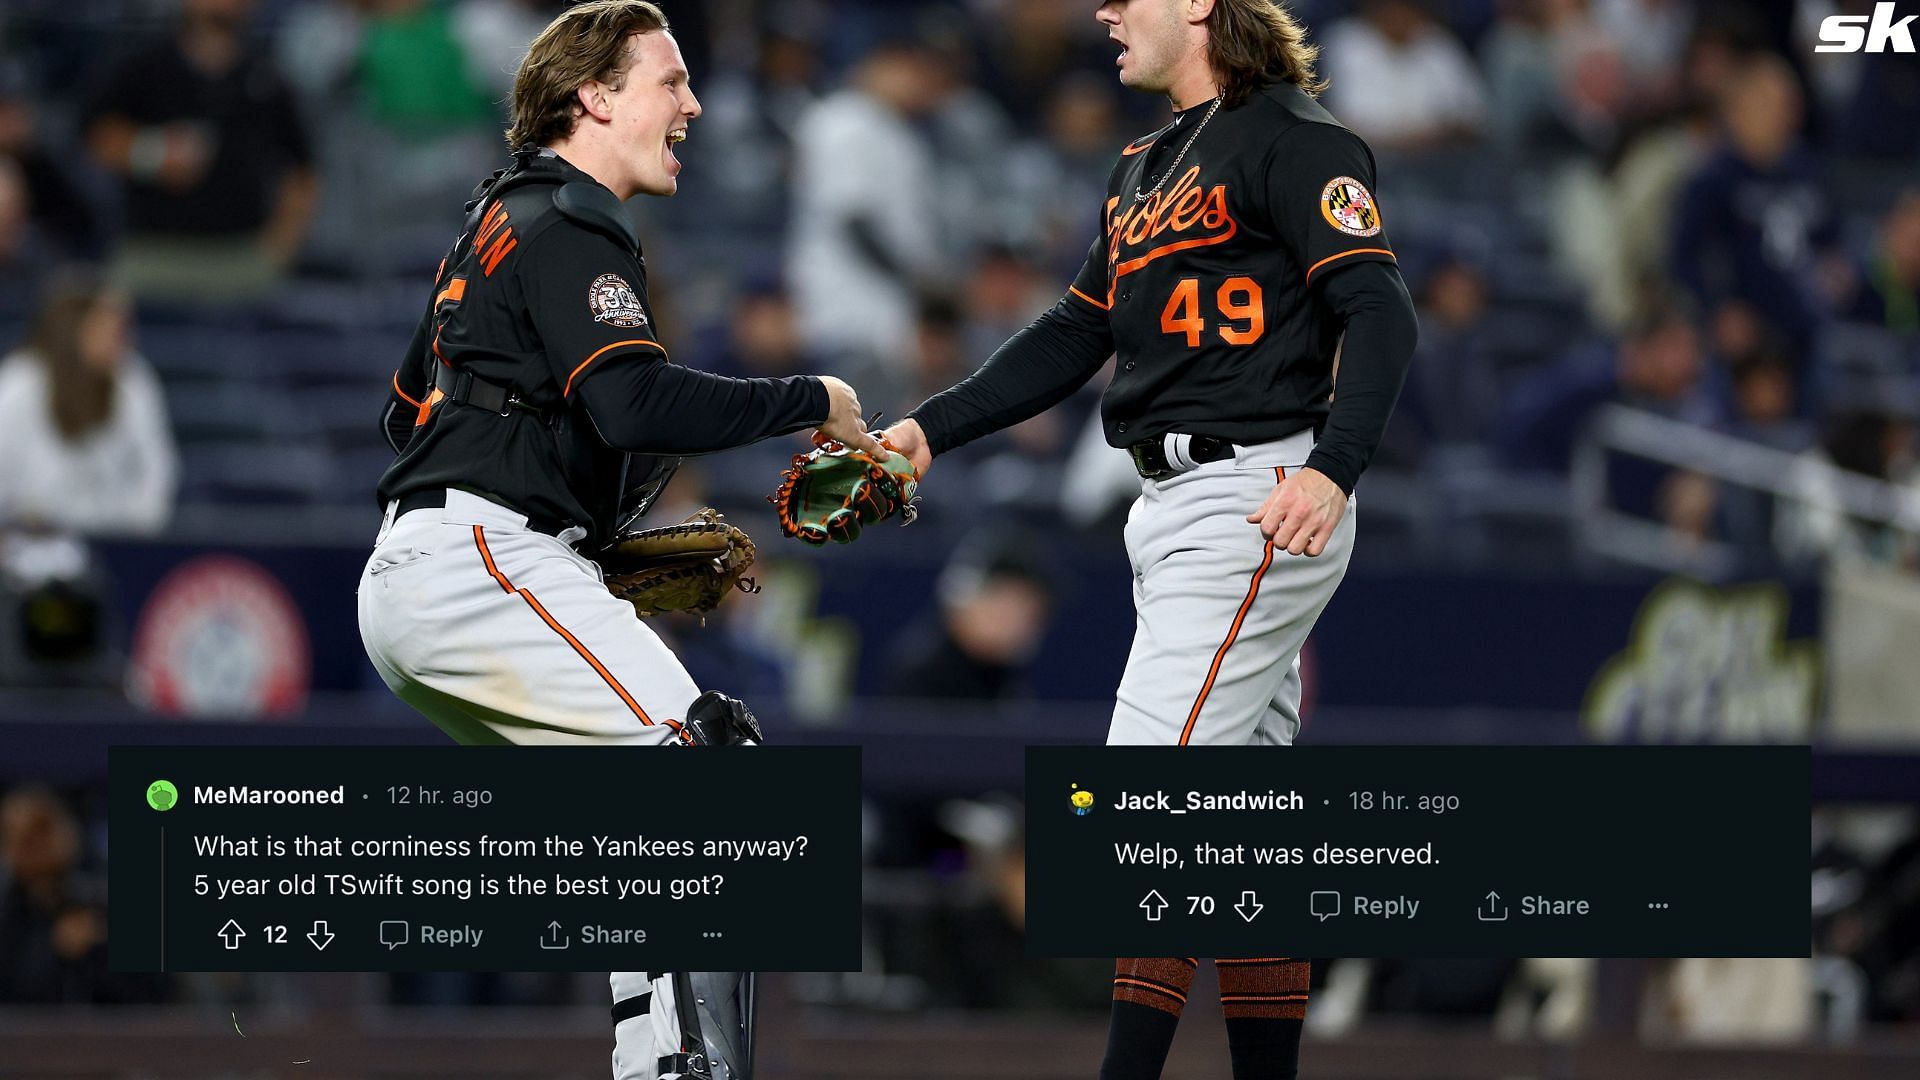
<point>161,795</point>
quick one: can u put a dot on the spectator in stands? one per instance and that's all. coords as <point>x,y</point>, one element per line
<point>63,213</point>
<point>1651,37</point>
<point>1876,102</point>
<point>761,335</point>
<point>1660,367</point>
<point>1762,407</point>
<point>1402,80</point>
<point>1064,173</point>
<point>869,231</point>
<point>53,926</point>
<point>1872,437</point>
<point>1763,399</point>
<point>1885,290</point>
<point>758,337</point>
<point>1004,292</point>
<point>83,421</point>
<point>1570,74</point>
<point>752,120</point>
<point>1452,396</point>
<point>940,351</point>
<point>1751,226</point>
<point>494,35</point>
<point>1029,49</point>
<point>1558,81</point>
<point>214,155</point>
<point>416,77</point>
<point>23,256</point>
<point>994,604</point>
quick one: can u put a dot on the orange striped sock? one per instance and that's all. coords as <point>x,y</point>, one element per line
<point>1148,994</point>
<point>1265,999</point>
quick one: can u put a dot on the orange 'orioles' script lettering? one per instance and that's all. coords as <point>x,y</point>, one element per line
<point>1180,210</point>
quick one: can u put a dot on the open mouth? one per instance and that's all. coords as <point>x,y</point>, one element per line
<point>1122,58</point>
<point>675,138</point>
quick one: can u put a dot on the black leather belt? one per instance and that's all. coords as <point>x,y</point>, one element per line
<point>436,499</point>
<point>1150,455</point>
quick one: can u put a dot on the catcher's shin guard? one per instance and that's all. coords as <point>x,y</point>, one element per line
<point>714,1010</point>
<point>713,1017</point>
<point>718,720</point>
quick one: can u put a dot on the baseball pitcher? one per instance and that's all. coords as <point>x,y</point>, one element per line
<point>1241,249</point>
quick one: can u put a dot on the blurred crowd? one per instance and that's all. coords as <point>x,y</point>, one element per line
<point>219,219</point>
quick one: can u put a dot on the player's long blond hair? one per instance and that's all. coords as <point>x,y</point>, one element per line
<point>1252,43</point>
<point>587,42</point>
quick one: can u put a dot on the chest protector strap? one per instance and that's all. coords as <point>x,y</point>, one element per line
<point>465,388</point>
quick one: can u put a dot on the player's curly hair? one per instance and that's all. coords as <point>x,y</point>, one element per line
<point>1252,43</point>
<point>585,43</point>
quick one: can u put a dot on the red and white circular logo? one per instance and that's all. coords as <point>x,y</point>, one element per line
<point>220,637</point>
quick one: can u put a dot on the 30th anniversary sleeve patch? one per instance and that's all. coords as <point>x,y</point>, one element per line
<point>614,302</point>
<point>1349,206</point>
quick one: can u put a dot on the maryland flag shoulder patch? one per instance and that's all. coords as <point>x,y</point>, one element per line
<point>1350,207</point>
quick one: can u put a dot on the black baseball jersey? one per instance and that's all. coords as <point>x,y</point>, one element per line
<point>1223,291</point>
<point>544,299</point>
<point>1206,282</point>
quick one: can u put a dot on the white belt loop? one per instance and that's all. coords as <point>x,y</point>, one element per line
<point>1178,450</point>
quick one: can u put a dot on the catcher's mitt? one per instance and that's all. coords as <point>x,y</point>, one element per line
<point>691,566</point>
<point>835,491</point>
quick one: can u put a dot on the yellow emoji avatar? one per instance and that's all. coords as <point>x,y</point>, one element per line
<point>1082,802</point>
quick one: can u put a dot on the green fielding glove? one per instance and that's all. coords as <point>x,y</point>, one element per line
<point>835,491</point>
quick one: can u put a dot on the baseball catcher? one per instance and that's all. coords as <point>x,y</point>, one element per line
<point>533,417</point>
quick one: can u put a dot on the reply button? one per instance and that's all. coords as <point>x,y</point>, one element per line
<point>1395,907</point>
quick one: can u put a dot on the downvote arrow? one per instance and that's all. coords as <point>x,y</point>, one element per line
<point>1249,901</point>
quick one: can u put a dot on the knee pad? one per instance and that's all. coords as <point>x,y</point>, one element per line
<point>718,720</point>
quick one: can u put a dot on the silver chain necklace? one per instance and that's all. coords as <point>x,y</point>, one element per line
<point>1143,196</point>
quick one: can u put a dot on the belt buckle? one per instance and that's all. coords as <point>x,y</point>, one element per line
<point>1150,466</point>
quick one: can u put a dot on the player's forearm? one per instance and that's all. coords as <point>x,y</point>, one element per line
<point>1036,369</point>
<point>1381,331</point>
<point>648,406</point>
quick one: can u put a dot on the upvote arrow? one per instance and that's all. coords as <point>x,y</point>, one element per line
<point>320,935</point>
<point>1154,904</point>
<point>1249,905</point>
<point>231,934</point>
